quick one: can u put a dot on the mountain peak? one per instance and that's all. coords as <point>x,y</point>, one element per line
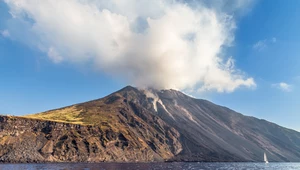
<point>174,126</point>
<point>153,90</point>
<point>127,88</point>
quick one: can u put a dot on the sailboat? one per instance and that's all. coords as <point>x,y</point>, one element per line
<point>265,158</point>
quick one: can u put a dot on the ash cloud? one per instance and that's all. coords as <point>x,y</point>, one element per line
<point>159,44</point>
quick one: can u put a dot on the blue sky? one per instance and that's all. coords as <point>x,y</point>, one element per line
<point>266,48</point>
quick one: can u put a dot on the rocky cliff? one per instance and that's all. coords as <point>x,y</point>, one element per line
<point>144,125</point>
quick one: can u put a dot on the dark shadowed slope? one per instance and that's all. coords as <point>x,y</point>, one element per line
<point>224,132</point>
<point>145,125</point>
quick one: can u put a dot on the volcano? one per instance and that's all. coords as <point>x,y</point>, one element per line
<point>144,125</point>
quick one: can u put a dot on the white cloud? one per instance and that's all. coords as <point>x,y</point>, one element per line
<point>54,56</point>
<point>283,86</point>
<point>5,33</point>
<point>263,44</point>
<point>260,45</point>
<point>160,44</point>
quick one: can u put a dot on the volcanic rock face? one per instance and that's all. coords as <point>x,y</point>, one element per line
<point>144,125</point>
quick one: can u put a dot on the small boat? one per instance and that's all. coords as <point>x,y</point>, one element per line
<point>265,158</point>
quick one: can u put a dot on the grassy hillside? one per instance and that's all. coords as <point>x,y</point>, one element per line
<point>67,114</point>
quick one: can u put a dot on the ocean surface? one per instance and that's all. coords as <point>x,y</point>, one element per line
<point>152,166</point>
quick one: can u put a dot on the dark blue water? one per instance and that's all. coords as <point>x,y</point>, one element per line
<point>152,166</point>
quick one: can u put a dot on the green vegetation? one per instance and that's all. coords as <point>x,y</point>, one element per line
<point>90,113</point>
<point>67,115</point>
<point>97,112</point>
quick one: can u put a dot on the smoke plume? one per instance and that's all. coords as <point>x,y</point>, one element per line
<point>159,44</point>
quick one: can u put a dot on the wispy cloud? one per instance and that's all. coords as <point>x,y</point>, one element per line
<point>260,45</point>
<point>5,33</point>
<point>263,44</point>
<point>54,55</point>
<point>283,86</point>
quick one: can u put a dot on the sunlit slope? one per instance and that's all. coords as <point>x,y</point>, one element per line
<point>68,115</point>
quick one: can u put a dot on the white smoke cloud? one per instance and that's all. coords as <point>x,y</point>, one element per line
<point>159,44</point>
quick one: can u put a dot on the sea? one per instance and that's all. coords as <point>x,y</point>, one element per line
<point>152,166</point>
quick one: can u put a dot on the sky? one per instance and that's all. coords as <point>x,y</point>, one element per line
<point>239,54</point>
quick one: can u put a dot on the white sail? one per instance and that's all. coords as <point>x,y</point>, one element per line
<point>265,158</point>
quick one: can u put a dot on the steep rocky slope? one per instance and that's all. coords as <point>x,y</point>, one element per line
<point>29,140</point>
<point>144,125</point>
